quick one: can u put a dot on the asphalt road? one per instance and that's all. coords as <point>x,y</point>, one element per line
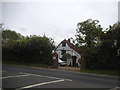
<point>22,77</point>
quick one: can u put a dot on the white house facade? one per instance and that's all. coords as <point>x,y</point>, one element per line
<point>65,47</point>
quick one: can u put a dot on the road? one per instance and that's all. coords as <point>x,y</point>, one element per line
<point>23,77</point>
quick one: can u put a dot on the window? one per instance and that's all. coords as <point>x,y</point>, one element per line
<point>63,44</point>
<point>63,52</point>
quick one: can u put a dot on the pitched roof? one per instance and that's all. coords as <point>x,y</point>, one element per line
<point>75,48</point>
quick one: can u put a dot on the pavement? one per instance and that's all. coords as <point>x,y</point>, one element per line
<point>23,77</point>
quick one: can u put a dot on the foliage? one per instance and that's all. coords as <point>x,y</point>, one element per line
<point>30,49</point>
<point>88,33</point>
<point>66,56</point>
<point>114,35</point>
<point>9,36</point>
<point>101,48</point>
<point>103,57</point>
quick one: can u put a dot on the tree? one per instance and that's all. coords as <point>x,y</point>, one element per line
<point>88,37</point>
<point>101,49</point>
<point>88,33</point>
<point>111,43</point>
<point>105,55</point>
<point>9,36</point>
<point>114,35</point>
<point>66,56</point>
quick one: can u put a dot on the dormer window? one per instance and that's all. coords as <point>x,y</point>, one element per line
<point>63,44</point>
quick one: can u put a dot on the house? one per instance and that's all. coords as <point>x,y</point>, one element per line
<point>67,48</point>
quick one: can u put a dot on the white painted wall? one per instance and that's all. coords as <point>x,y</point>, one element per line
<point>68,50</point>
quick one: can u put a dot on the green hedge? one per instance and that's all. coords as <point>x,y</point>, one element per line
<point>33,49</point>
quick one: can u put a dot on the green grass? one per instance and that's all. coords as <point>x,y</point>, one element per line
<point>103,72</point>
<point>26,64</point>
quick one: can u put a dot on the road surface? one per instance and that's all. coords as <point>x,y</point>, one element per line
<point>23,77</point>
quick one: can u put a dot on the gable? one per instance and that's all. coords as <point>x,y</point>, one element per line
<point>62,47</point>
<point>66,45</point>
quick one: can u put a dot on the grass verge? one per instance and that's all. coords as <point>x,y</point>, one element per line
<point>103,72</point>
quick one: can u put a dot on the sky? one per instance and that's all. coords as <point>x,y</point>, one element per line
<point>54,18</point>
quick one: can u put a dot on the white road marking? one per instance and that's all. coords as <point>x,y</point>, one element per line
<point>68,79</point>
<point>14,76</point>
<point>45,76</point>
<point>39,84</point>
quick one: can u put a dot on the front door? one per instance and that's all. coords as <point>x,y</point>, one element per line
<point>74,60</point>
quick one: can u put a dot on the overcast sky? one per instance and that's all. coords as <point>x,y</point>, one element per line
<point>57,20</point>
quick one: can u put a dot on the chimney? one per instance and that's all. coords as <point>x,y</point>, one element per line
<point>69,40</point>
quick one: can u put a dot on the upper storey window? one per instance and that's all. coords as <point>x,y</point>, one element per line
<point>63,44</point>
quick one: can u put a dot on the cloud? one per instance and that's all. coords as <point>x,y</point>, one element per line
<point>22,29</point>
<point>119,11</point>
<point>57,20</point>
